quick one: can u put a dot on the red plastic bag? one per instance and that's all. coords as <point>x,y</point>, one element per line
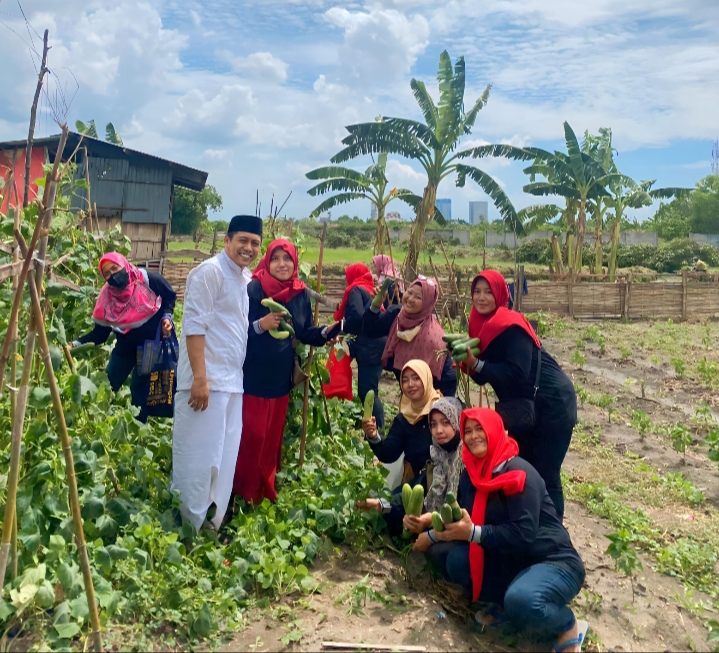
<point>340,384</point>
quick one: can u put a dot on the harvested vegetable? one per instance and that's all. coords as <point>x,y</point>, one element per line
<point>437,523</point>
<point>368,404</point>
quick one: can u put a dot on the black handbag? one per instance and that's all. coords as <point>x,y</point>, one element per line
<point>519,415</point>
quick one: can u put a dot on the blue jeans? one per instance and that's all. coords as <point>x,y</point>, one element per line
<point>537,599</point>
<point>368,379</point>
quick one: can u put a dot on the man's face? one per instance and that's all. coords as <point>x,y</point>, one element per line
<point>243,248</point>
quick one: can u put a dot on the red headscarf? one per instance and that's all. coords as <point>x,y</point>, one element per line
<point>488,327</point>
<point>500,447</point>
<point>425,345</point>
<point>129,307</point>
<point>357,275</point>
<point>280,291</point>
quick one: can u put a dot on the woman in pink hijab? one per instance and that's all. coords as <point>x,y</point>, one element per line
<point>413,332</point>
<point>132,304</point>
<point>384,266</point>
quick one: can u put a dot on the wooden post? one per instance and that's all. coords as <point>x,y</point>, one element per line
<point>33,114</point>
<point>570,291</point>
<point>685,277</point>
<point>395,292</point>
<point>627,295</point>
<point>306,399</point>
<point>213,250</point>
<point>519,289</point>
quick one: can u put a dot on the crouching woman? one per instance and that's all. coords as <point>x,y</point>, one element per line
<point>509,548</point>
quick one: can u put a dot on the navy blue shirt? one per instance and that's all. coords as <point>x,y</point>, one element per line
<point>269,362</point>
<point>366,349</point>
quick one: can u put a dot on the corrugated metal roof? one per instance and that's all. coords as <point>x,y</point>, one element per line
<point>182,175</point>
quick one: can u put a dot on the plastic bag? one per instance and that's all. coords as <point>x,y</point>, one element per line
<point>340,383</point>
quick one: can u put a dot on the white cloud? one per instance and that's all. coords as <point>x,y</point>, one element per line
<point>259,65</point>
<point>218,155</point>
<point>196,110</point>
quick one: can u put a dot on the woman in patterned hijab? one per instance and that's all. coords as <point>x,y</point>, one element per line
<point>445,451</point>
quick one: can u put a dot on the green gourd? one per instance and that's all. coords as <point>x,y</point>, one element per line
<point>437,522</point>
<point>417,500</point>
<point>379,297</point>
<point>446,513</point>
<point>407,498</point>
<point>273,306</point>
<point>284,326</point>
<point>368,404</point>
<point>279,335</point>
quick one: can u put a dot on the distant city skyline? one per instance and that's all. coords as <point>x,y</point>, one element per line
<point>478,212</point>
<point>444,205</point>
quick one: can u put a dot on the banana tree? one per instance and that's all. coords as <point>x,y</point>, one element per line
<point>351,185</point>
<point>432,144</point>
<point>90,129</point>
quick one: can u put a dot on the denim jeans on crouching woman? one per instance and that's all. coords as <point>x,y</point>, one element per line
<point>536,599</point>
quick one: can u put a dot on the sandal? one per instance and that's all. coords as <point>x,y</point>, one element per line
<point>583,628</point>
<point>492,616</point>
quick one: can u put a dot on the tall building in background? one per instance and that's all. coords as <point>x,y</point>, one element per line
<point>373,211</point>
<point>478,212</point>
<point>445,208</point>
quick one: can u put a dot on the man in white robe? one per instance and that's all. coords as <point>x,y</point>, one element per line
<point>208,405</point>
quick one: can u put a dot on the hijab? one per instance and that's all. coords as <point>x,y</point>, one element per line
<point>418,336</point>
<point>129,307</point>
<point>446,459</point>
<point>357,275</point>
<point>280,291</point>
<point>416,410</point>
<point>500,448</point>
<point>385,266</point>
<point>488,327</point>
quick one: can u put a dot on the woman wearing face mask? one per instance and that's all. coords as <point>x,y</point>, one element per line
<point>132,304</point>
<point>510,548</point>
<point>268,367</point>
<point>408,435</point>
<point>366,350</point>
<point>509,352</point>
<point>413,333</point>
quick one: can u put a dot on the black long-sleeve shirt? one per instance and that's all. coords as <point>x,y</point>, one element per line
<point>519,531</point>
<point>412,440</point>
<point>127,343</point>
<point>510,367</point>
<point>268,363</point>
<point>366,349</point>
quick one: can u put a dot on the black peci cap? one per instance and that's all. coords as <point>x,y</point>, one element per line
<point>248,223</point>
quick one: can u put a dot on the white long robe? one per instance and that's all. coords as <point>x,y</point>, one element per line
<point>205,444</point>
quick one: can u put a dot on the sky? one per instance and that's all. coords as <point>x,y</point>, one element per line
<point>258,92</point>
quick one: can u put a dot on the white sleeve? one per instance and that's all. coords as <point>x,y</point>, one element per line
<point>203,286</point>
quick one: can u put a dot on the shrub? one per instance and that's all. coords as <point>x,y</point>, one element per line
<point>535,251</point>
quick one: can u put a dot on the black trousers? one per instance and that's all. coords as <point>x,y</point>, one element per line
<point>119,367</point>
<point>368,379</point>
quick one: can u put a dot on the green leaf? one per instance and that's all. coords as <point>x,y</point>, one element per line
<point>79,609</point>
<point>117,552</point>
<point>5,610</point>
<point>41,396</point>
<point>67,575</point>
<point>174,553</point>
<point>56,357</point>
<point>81,387</point>
<point>23,595</point>
<point>45,596</point>
<point>103,560</point>
<point>202,623</point>
<point>309,583</point>
<point>93,507</point>
<point>325,520</point>
<point>67,631</point>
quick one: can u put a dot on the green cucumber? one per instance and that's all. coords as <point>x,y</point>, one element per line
<point>450,498</point>
<point>279,335</point>
<point>446,513</point>
<point>456,513</point>
<point>407,498</point>
<point>368,404</point>
<point>82,349</point>
<point>453,337</point>
<point>437,522</point>
<point>285,326</point>
<point>472,343</point>
<point>379,297</point>
<point>417,500</point>
<point>273,306</point>
<point>462,356</point>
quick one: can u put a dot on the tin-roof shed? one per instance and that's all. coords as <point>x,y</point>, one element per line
<point>126,186</point>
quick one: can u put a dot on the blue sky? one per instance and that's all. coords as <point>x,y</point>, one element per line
<point>258,92</point>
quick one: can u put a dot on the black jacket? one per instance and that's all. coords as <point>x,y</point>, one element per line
<point>519,531</point>
<point>412,440</point>
<point>365,349</point>
<point>510,367</point>
<point>127,343</point>
<point>269,362</point>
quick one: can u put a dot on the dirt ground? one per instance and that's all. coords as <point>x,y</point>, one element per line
<point>403,606</point>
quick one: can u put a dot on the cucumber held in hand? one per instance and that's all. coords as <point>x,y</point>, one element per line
<point>472,343</point>
<point>446,513</point>
<point>437,523</point>
<point>273,306</point>
<point>460,357</point>
<point>453,337</point>
<point>407,498</point>
<point>368,404</point>
<point>379,297</point>
<point>417,500</point>
<point>82,349</point>
<point>284,326</point>
<point>279,335</point>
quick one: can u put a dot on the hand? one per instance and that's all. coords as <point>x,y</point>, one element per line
<point>199,394</point>
<point>471,359</point>
<point>417,524</point>
<point>368,504</point>
<point>369,426</point>
<point>423,543</point>
<point>459,530</point>
<point>271,321</point>
<point>166,327</point>
<point>337,326</point>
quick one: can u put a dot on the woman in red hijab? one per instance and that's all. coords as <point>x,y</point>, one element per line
<point>510,548</point>
<point>509,353</point>
<point>413,332</point>
<point>367,351</point>
<point>268,367</point>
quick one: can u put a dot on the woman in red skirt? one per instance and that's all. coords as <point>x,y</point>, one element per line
<point>268,368</point>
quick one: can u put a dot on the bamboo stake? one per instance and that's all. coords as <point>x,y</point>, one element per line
<point>13,356</point>
<point>33,114</point>
<point>306,399</point>
<point>74,497</point>
<point>389,244</point>
<point>41,229</point>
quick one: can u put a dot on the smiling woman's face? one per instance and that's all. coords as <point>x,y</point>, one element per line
<point>412,300</point>
<point>483,299</point>
<point>475,439</point>
<point>412,385</point>
<point>281,265</point>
